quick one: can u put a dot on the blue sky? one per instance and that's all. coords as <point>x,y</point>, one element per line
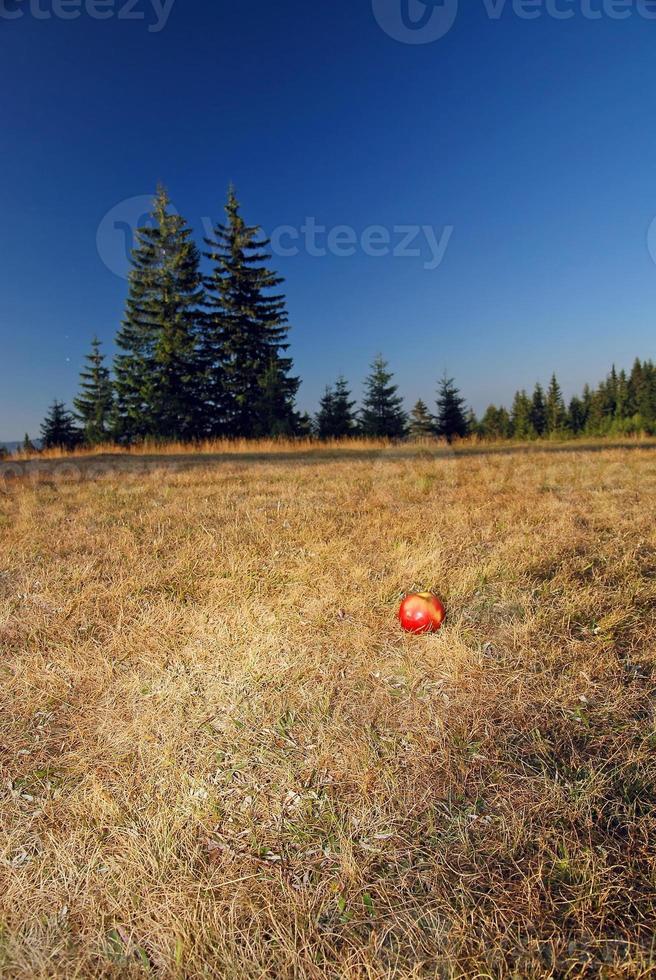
<point>530,142</point>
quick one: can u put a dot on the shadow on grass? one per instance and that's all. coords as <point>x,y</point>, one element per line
<point>106,464</point>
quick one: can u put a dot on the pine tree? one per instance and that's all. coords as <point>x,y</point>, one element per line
<point>422,423</point>
<point>245,333</point>
<point>382,414</point>
<point>556,413</point>
<point>539,411</point>
<point>451,413</point>
<point>58,429</point>
<point>94,404</point>
<point>520,417</point>
<point>157,384</point>
<point>27,445</point>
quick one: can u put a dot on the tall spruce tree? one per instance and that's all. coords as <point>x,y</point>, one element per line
<point>422,423</point>
<point>556,413</point>
<point>382,415</point>
<point>157,390</point>
<point>93,406</point>
<point>58,429</point>
<point>451,411</point>
<point>245,334</point>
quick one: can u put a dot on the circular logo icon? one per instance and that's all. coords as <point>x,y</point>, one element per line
<point>415,21</point>
<point>116,232</point>
<point>651,240</point>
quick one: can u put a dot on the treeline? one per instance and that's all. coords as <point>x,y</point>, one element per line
<point>202,354</point>
<point>201,351</point>
<point>623,404</point>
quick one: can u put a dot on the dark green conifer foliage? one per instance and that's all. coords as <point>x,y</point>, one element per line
<point>520,417</point>
<point>58,430</point>
<point>245,334</point>
<point>324,417</point>
<point>422,423</point>
<point>157,371</point>
<point>496,423</point>
<point>539,411</point>
<point>94,404</point>
<point>335,418</point>
<point>273,409</point>
<point>473,425</point>
<point>451,411</point>
<point>382,415</point>
<point>555,408</point>
<point>27,445</point>
<point>576,417</point>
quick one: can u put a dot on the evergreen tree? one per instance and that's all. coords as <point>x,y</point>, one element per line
<point>344,419</point>
<point>27,445</point>
<point>305,428</point>
<point>382,414</point>
<point>496,423</point>
<point>324,417</point>
<point>335,418</point>
<point>58,429</point>
<point>157,392</point>
<point>520,417</point>
<point>245,334</point>
<point>539,411</point>
<point>576,417</point>
<point>451,412</point>
<point>273,412</point>
<point>93,406</point>
<point>473,425</point>
<point>622,405</point>
<point>422,423</point>
<point>556,413</point>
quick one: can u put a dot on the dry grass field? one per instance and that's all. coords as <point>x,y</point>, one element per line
<point>220,757</point>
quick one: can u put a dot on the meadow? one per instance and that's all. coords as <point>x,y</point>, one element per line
<point>220,756</point>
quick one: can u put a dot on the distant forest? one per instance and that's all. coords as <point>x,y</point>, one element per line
<point>202,354</point>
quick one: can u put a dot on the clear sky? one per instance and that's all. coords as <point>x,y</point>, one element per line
<point>525,147</point>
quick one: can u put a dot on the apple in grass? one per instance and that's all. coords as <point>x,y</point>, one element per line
<point>422,612</point>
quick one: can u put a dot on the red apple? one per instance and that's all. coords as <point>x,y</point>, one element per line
<point>421,612</point>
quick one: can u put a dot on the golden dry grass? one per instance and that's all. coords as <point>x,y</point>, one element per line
<point>221,757</point>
